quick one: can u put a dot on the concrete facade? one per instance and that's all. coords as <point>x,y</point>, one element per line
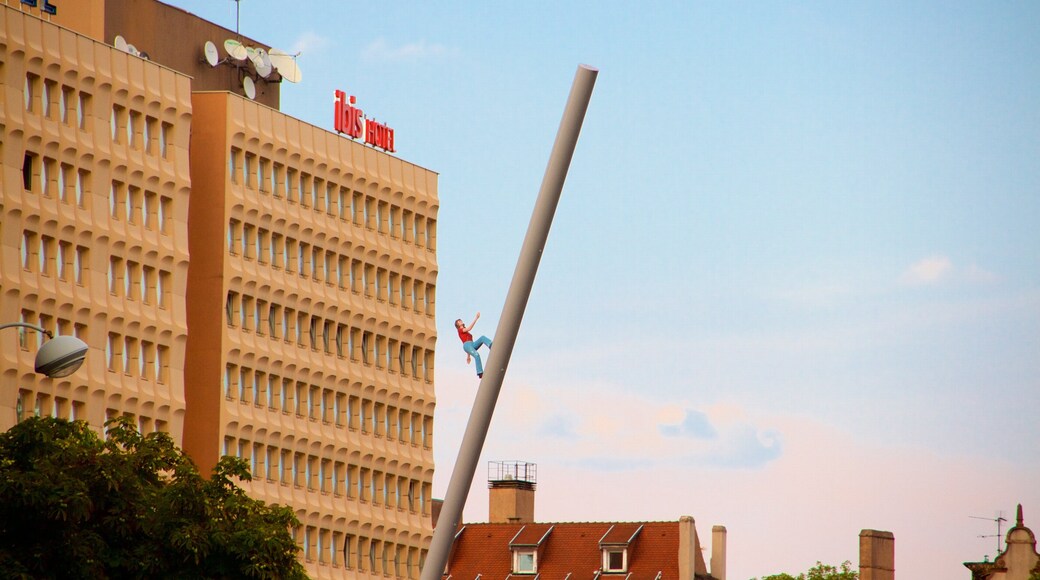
<point>301,335</point>
<point>93,225</point>
<point>311,304</point>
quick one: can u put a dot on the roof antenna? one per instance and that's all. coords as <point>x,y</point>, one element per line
<point>1000,520</point>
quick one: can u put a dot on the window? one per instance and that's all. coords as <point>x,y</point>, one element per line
<point>82,110</point>
<point>615,560</point>
<point>525,561</point>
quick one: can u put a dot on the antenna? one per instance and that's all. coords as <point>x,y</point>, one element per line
<point>120,44</point>
<point>1000,520</point>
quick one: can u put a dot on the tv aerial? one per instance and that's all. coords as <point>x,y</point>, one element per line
<point>1000,519</point>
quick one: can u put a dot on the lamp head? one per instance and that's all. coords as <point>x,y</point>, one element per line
<point>60,356</point>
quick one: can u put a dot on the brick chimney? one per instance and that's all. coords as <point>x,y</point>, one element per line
<point>512,485</point>
<point>877,555</point>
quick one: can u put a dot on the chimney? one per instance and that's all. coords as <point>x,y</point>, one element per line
<point>512,485</point>
<point>691,561</point>
<point>718,552</point>
<point>877,555</point>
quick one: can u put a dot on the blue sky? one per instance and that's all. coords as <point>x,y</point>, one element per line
<point>793,285</point>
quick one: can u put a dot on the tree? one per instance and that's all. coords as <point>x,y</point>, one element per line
<point>75,506</point>
<point>820,571</point>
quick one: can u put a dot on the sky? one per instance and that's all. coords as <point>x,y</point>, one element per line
<point>793,283</point>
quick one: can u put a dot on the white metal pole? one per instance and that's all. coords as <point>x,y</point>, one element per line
<point>509,323</point>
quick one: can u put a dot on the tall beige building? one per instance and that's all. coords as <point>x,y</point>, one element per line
<point>300,334</point>
<point>93,224</point>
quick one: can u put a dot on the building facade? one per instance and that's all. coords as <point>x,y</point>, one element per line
<point>311,309</point>
<point>251,284</point>
<point>93,225</point>
<point>1018,561</point>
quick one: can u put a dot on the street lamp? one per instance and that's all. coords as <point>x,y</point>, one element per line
<point>59,357</point>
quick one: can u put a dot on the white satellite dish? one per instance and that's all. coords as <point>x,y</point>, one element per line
<point>286,65</point>
<point>120,43</point>
<point>210,51</point>
<point>235,49</point>
<point>133,50</point>
<point>250,87</point>
<point>262,62</point>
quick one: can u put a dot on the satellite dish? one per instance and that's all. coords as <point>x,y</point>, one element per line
<point>212,56</point>
<point>250,87</point>
<point>262,62</point>
<point>120,44</point>
<point>286,65</point>
<point>133,50</point>
<point>235,49</point>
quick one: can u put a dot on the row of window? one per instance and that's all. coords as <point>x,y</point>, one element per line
<point>134,281</point>
<point>137,358</point>
<point>71,107</point>
<point>71,185</point>
<point>140,131</point>
<point>282,182</point>
<point>48,98</point>
<point>57,326</point>
<point>33,404</point>
<point>319,474</point>
<point>52,257</point>
<point>327,335</point>
<point>145,424</point>
<point>361,553</point>
<point>331,407</point>
<point>140,206</point>
<point>324,265</point>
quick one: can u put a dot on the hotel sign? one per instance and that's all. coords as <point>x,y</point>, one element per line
<point>352,121</point>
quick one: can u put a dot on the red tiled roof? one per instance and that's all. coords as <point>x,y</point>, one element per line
<point>620,534</point>
<point>531,534</point>
<point>571,548</point>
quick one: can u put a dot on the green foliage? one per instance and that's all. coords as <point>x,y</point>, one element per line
<point>75,506</point>
<point>820,571</point>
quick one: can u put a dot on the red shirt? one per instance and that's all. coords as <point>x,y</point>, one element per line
<point>464,336</point>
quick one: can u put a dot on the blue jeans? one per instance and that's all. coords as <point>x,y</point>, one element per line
<point>471,349</point>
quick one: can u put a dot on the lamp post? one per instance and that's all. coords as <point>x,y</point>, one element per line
<point>59,357</point>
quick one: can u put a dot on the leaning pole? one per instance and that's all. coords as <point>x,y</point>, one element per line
<point>509,323</point>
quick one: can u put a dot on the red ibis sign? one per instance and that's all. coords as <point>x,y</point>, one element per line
<point>352,121</point>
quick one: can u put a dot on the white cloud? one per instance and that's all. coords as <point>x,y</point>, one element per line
<point>930,270</point>
<point>380,50</point>
<point>938,269</point>
<point>309,42</point>
<point>614,428</point>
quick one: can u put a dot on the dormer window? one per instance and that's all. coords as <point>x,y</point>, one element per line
<point>525,561</point>
<point>614,546</point>
<point>525,546</point>
<point>615,560</point>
